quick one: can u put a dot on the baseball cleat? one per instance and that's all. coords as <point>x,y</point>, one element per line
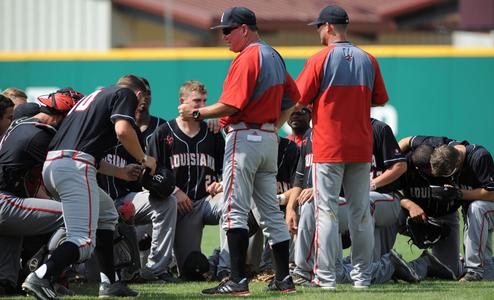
<point>471,276</point>
<point>116,289</point>
<point>40,288</point>
<point>437,268</point>
<point>229,287</point>
<point>283,286</point>
<point>402,269</point>
<point>299,279</point>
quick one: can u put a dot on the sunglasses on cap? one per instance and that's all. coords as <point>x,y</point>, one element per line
<point>227,31</point>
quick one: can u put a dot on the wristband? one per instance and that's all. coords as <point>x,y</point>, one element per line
<point>175,190</point>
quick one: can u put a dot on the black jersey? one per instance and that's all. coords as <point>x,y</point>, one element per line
<point>288,154</point>
<point>385,153</point>
<point>89,126</point>
<point>416,187</point>
<point>477,170</point>
<point>303,175</point>
<point>23,151</point>
<point>433,141</point>
<point>119,157</point>
<point>196,162</point>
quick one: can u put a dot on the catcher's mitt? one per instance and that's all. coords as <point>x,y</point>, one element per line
<point>425,234</point>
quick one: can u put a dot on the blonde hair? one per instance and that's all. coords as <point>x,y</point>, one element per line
<point>192,86</point>
<point>13,92</point>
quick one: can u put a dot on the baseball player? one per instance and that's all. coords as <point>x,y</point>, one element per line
<point>161,214</point>
<point>411,143</point>
<point>299,121</point>
<point>195,155</point>
<point>6,111</point>
<point>472,168</point>
<point>257,81</point>
<point>69,173</point>
<point>418,203</point>
<point>22,152</point>
<point>349,79</point>
<point>16,95</point>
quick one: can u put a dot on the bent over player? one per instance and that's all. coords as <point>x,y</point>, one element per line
<point>69,173</point>
<point>22,154</point>
<point>258,95</point>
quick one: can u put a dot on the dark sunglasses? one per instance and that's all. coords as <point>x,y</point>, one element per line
<point>320,24</point>
<point>227,31</point>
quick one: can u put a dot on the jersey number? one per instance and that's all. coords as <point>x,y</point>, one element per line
<point>86,101</point>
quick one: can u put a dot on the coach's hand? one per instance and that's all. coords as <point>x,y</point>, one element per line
<point>214,125</point>
<point>184,204</point>
<point>185,111</point>
<point>305,195</point>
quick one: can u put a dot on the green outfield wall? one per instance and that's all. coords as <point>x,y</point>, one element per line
<point>433,90</point>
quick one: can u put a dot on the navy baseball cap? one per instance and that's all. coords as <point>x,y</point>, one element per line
<point>236,16</point>
<point>332,14</point>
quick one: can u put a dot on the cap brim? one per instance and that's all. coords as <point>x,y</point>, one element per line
<point>222,26</point>
<point>314,23</point>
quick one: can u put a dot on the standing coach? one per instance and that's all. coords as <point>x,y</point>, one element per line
<point>342,82</point>
<point>257,84</point>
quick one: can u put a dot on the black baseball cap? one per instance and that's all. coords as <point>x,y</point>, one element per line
<point>236,16</point>
<point>26,110</point>
<point>332,14</point>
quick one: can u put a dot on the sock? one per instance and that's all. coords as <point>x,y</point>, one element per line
<point>65,255</point>
<point>238,242</point>
<point>104,253</point>
<point>281,253</point>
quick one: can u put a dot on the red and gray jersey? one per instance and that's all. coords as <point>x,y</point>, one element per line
<point>22,153</point>
<point>303,175</point>
<point>342,82</point>
<point>385,153</point>
<point>258,81</point>
<point>477,170</point>
<point>89,127</point>
<point>196,161</point>
<point>288,154</point>
<point>119,157</point>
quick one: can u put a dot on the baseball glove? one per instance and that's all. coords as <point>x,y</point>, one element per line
<point>425,234</point>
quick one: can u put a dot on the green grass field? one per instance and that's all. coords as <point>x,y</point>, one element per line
<point>430,289</point>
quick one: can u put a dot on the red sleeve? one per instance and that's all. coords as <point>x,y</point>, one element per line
<point>379,94</point>
<point>309,80</point>
<point>241,79</point>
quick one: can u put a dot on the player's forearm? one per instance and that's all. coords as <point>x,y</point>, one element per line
<point>217,110</point>
<point>407,204</point>
<point>128,138</point>
<point>390,175</point>
<point>404,144</point>
<point>478,194</point>
<point>292,199</point>
<point>108,169</point>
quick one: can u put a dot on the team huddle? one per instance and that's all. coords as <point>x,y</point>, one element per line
<point>97,175</point>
